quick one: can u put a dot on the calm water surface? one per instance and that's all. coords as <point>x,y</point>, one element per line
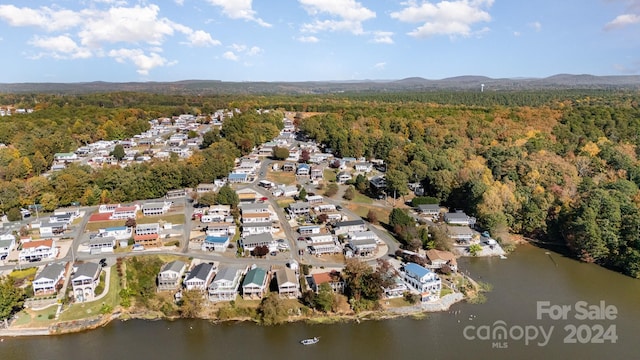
<point>528,276</point>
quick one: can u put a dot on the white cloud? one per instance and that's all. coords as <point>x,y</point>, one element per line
<point>622,20</point>
<point>516,33</point>
<point>44,17</point>
<point>143,62</point>
<point>380,66</point>
<point>103,28</point>
<point>382,37</point>
<point>179,2</point>
<point>239,9</point>
<point>633,68</point>
<point>308,39</point>
<point>201,38</point>
<point>60,47</point>
<point>536,25</point>
<point>453,18</point>
<point>254,51</point>
<point>347,15</point>
<point>229,55</point>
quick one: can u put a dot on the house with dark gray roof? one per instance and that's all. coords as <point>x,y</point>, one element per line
<point>49,279</point>
<point>199,277</point>
<point>85,280</point>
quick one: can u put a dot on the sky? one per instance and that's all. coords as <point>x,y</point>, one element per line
<point>314,40</point>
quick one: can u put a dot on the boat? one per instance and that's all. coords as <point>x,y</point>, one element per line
<point>503,257</point>
<point>311,341</point>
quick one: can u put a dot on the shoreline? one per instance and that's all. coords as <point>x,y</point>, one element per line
<point>76,326</point>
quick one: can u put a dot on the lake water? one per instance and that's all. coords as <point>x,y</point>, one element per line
<point>528,277</point>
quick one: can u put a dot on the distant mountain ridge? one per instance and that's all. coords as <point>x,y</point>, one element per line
<point>460,83</point>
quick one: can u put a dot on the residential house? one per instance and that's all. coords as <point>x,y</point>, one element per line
<point>260,208</point>
<point>308,230</point>
<point>224,210</point>
<point>256,228</point>
<point>299,208</point>
<point>363,246</point>
<point>225,284</point>
<point>255,283</point>
<point>378,184</point>
<point>63,157</point>
<point>425,281</point>
<point>199,277</point>
<point>107,208</point>
<point>49,280</point>
<point>176,194</point>
<point>125,212</point>
<point>215,243</point>
<point>364,167</point>
<point>289,166</point>
<point>303,170</point>
<point>205,188</point>
<point>429,210</point>
<point>264,239</point>
<point>396,289</point>
<point>344,227</point>
<point>333,278</point>
<point>316,173</point>
<point>288,284</point>
<point>290,190</point>
<point>236,178</point>
<point>147,235</point>
<point>156,208</point>
<point>49,228</point>
<point>324,244</point>
<point>439,258</point>
<point>459,218</point>
<point>246,196</point>
<point>102,244</point>
<point>315,199</point>
<point>258,217</point>
<point>170,275</point>
<point>118,232</point>
<point>221,229</point>
<point>38,250</point>
<point>343,177</point>
<point>461,234</point>
<point>7,244</point>
<point>85,279</point>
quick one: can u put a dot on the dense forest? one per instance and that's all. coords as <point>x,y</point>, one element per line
<point>555,165</point>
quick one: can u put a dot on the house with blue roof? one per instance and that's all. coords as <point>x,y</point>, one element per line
<point>425,281</point>
<point>303,170</point>
<point>215,243</point>
<point>237,178</point>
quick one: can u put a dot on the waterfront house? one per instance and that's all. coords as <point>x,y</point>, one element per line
<point>344,227</point>
<point>461,234</point>
<point>170,275</point>
<point>199,277</point>
<point>333,278</point>
<point>37,250</point>
<point>396,289</point>
<point>49,280</point>
<point>86,277</point>
<point>425,281</point>
<point>215,243</point>
<point>255,282</point>
<point>225,284</point>
<point>288,284</point>
<point>439,258</point>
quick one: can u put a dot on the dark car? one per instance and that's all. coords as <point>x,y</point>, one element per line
<point>103,262</point>
<point>338,207</point>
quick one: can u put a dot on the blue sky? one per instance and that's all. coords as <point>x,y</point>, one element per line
<point>301,40</point>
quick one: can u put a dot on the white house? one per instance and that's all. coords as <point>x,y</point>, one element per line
<point>7,244</point>
<point>254,208</point>
<point>170,275</point>
<point>47,281</point>
<point>363,247</point>
<point>199,277</point>
<point>425,281</point>
<point>37,250</point>
<point>255,283</point>
<point>102,244</point>
<point>459,218</point>
<point>429,210</point>
<point>255,217</point>
<point>225,284</point>
<point>343,177</point>
<point>156,208</point>
<point>308,230</point>
<point>460,233</point>
<point>118,232</point>
<point>344,227</point>
<point>257,228</point>
<point>107,208</point>
<point>221,229</point>
<point>264,239</point>
<point>86,278</point>
<point>288,284</point>
<point>364,167</point>
<point>299,208</point>
<point>315,199</point>
<point>124,212</point>
<point>215,243</point>
<point>49,228</point>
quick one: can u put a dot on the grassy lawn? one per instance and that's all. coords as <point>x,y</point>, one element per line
<point>31,318</point>
<point>363,199</point>
<point>396,302</point>
<point>329,175</point>
<point>173,219</point>
<point>281,177</point>
<point>285,202</point>
<point>363,211</point>
<point>92,308</point>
